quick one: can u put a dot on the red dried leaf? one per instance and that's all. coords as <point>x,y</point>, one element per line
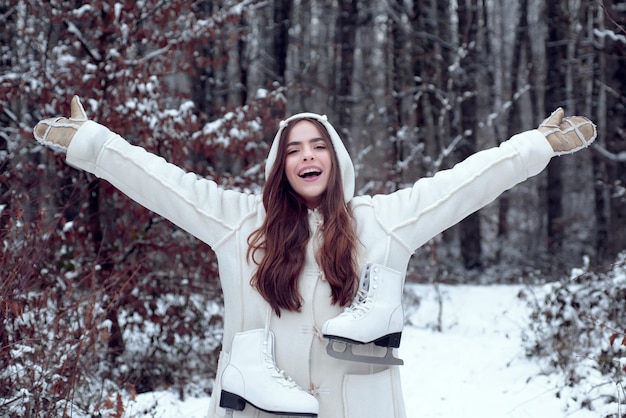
<point>119,408</point>
<point>132,393</point>
<point>108,403</point>
<point>613,337</point>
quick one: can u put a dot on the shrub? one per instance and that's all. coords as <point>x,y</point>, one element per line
<point>577,327</point>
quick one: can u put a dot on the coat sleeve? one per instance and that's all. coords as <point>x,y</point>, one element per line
<point>416,214</point>
<point>197,205</point>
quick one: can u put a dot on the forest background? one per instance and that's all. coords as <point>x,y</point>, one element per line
<point>412,86</point>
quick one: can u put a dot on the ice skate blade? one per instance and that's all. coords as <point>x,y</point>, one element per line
<point>348,355</point>
<point>229,400</point>
<point>389,340</point>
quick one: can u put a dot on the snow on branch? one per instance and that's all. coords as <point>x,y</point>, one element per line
<point>222,14</point>
<point>607,33</point>
<point>448,150</point>
<point>507,105</point>
<point>73,29</point>
<point>619,157</point>
<point>150,55</point>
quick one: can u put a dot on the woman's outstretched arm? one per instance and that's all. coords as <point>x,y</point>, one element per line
<point>197,205</point>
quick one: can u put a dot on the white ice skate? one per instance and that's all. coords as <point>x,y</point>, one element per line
<point>376,316</point>
<point>251,376</point>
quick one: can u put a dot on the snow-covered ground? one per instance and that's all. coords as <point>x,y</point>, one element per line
<point>474,367</point>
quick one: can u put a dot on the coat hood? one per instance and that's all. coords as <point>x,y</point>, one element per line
<point>346,168</point>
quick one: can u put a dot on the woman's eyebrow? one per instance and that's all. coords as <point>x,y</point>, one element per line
<point>299,142</point>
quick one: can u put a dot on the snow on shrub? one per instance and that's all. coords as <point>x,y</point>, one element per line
<point>578,327</point>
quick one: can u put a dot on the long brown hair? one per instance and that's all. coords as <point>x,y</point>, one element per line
<point>283,237</point>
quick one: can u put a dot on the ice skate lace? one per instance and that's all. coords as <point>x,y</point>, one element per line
<point>361,304</point>
<point>268,358</point>
<point>277,373</point>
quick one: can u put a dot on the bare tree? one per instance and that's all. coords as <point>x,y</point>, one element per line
<point>344,45</point>
<point>609,39</point>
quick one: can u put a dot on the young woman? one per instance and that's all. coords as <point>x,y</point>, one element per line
<point>292,259</point>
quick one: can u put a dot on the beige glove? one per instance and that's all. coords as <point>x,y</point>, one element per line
<point>567,135</point>
<point>57,133</point>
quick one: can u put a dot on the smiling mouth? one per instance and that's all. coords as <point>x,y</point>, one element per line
<point>310,173</point>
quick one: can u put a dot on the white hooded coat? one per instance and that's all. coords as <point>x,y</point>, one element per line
<point>389,227</point>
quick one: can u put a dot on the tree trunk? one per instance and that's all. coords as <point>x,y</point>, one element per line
<point>115,343</point>
<point>512,121</point>
<point>556,55</point>
<point>470,228</point>
<point>610,172</point>
<point>202,76</point>
<point>282,9</point>
<point>345,42</point>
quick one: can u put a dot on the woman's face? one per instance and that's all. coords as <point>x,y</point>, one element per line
<point>308,162</point>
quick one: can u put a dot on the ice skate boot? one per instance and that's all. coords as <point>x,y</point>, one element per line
<point>376,316</point>
<point>251,376</point>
